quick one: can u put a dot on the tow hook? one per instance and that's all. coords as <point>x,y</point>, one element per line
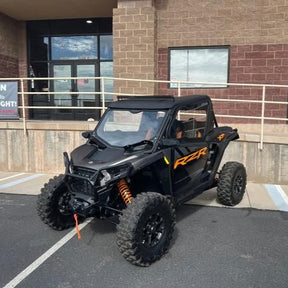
<point>82,207</point>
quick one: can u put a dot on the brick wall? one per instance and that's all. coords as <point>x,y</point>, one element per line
<point>134,45</point>
<point>13,53</point>
<point>223,22</point>
<point>255,64</point>
<point>9,48</point>
<point>256,32</point>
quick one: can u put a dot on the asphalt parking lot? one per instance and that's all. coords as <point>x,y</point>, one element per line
<point>212,247</point>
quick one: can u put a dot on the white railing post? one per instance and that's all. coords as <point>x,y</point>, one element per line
<point>262,118</point>
<point>179,88</point>
<point>23,106</point>
<point>179,95</point>
<point>103,94</point>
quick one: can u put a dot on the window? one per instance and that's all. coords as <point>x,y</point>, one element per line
<point>126,127</point>
<point>69,48</point>
<point>205,64</point>
<point>106,70</point>
<point>190,123</point>
<point>106,47</point>
<point>74,47</point>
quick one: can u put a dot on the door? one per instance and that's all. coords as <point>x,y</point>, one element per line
<point>80,87</point>
<point>191,155</point>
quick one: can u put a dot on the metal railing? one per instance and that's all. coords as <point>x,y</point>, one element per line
<point>23,92</point>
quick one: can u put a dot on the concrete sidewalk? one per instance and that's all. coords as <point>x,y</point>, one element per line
<point>258,196</point>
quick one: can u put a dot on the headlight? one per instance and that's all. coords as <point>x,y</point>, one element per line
<point>107,177</point>
<point>114,173</point>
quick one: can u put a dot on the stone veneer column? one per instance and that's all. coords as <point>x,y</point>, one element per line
<point>134,32</point>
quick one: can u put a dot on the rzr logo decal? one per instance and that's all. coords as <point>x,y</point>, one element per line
<point>193,156</point>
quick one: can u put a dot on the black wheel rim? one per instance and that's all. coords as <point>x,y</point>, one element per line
<point>238,185</point>
<point>153,230</point>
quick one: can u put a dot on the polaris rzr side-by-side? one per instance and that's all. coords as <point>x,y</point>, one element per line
<point>146,156</point>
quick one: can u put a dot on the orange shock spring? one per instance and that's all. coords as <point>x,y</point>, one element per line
<point>124,191</point>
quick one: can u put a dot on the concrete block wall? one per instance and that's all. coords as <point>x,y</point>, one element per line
<point>41,150</point>
<point>206,22</point>
<point>267,166</point>
<point>134,42</point>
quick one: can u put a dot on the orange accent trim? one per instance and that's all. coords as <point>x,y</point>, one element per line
<point>124,191</point>
<point>220,137</point>
<point>77,227</point>
<point>193,156</point>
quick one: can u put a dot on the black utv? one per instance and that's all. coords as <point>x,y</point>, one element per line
<point>146,156</point>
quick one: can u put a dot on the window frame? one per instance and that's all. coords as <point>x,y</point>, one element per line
<point>198,48</point>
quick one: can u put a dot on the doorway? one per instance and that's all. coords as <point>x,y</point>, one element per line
<point>69,48</point>
<point>75,68</point>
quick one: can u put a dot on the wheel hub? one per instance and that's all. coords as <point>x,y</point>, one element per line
<point>153,230</point>
<point>238,185</point>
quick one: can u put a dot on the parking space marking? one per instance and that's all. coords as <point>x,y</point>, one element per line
<point>278,196</point>
<point>22,180</point>
<point>13,176</point>
<point>26,272</point>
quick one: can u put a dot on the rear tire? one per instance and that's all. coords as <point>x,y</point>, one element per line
<point>145,229</point>
<point>52,204</point>
<point>232,184</point>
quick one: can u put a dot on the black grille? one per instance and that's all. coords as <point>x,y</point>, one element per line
<point>84,172</point>
<point>82,185</point>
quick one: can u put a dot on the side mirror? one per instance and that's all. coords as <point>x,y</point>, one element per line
<point>169,142</point>
<point>86,134</point>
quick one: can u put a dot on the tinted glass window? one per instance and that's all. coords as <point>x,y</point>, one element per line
<point>106,70</point>
<point>106,47</point>
<point>73,47</point>
<point>39,49</point>
<point>199,65</point>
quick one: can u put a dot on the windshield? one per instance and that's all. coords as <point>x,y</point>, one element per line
<point>126,127</point>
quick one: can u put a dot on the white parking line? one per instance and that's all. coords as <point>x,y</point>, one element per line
<point>278,196</point>
<point>282,193</point>
<point>26,272</point>
<point>13,176</point>
<point>19,181</point>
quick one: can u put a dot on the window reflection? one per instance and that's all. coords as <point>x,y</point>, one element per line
<point>85,85</point>
<point>106,47</point>
<point>199,65</point>
<point>106,70</point>
<point>73,47</point>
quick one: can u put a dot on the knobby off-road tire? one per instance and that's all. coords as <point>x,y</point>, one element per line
<point>145,228</point>
<point>232,184</point>
<point>51,207</point>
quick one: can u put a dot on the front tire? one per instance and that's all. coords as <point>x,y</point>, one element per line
<point>145,229</point>
<point>232,184</point>
<point>52,204</point>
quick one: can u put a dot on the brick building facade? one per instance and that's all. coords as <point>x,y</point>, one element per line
<point>255,31</point>
<point>9,47</point>
<point>144,32</point>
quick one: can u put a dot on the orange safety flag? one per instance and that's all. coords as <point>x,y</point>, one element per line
<point>77,226</point>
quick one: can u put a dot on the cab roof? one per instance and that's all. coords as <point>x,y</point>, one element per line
<point>159,102</point>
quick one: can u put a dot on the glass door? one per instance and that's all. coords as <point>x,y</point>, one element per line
<point>83,69</point>
<point>62,85</point>
<point>86,85</point>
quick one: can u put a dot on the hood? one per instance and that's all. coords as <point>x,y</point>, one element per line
<point>91,157</point>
